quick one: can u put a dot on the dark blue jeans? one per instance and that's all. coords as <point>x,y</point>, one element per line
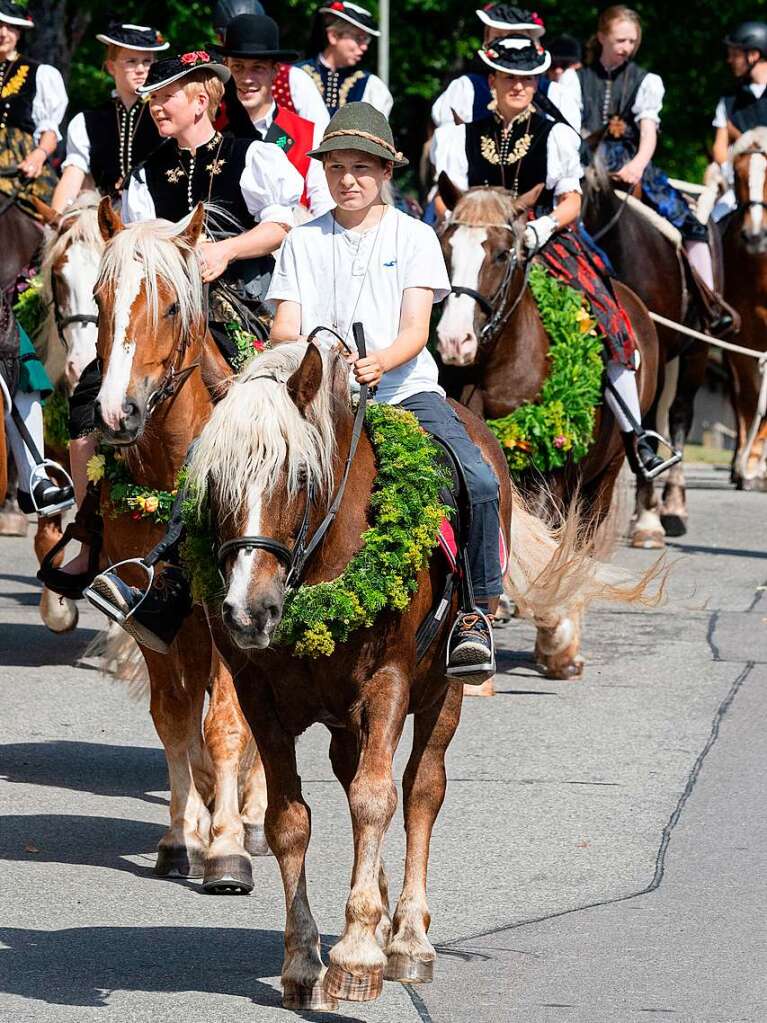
<point>438,418</point>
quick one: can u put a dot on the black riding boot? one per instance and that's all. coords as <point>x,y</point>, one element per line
<point>643,458</point>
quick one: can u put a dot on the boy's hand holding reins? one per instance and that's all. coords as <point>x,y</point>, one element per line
<point>370,369</point>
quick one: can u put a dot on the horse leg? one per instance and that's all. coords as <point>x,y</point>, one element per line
<point>254,799</point>
<point>176,709</point>
<point>357,961</point>
<point>410,954</point>
<point>227,865</point>
<point>692,371</point>
<point>59,614</point>
<point>557,646</point>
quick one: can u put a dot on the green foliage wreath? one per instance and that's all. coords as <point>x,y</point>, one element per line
<point>406,513</point>
<point>559,426</point>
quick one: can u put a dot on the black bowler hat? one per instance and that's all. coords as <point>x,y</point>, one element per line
<point>15,14</point>
<point>565,50</point>
<point>515,55</point>
<point>133,37</point>
<point>165,72</point>
<point>255,36</point>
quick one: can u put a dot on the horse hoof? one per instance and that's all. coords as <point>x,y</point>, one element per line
<point>563,672</point>
<point>309,997</point>
<point>674,525</point>
<point>58,614</point>
<point>407,970</point>
<point>255,840</point>
<point>648,541</point>
<point>486,689</point>
<point>349,987</point>
<point>179,861</point>
<point>227,875</point>
<point>13,523</point>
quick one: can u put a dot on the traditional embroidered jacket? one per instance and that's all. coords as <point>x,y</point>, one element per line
<point>119,139</point>
<point>610,94</point>
<point>337,88</point>
<point>19,85</point>
<point>281,88</point>
<point>516,161</point>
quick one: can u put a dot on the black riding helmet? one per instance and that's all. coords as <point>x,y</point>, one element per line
<point>751,35</point>
<point>225,10</point>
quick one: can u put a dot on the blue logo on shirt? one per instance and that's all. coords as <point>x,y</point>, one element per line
<point>392,262</point>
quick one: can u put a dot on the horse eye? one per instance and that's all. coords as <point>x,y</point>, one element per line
<point>172,309</point>
<point>502,256</point>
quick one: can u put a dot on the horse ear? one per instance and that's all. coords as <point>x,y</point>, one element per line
<point>193,229</point>
<point>110,221</point>
<point>305,382</point>
<point>529,199</point>
<point>45,212</point>
<point>448,192</point>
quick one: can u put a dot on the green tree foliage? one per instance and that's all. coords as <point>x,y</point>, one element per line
<point>432,41</point>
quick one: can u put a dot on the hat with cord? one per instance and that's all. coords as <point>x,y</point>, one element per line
<point>360,126</point>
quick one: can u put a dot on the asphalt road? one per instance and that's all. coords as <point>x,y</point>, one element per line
<point>600,856</point>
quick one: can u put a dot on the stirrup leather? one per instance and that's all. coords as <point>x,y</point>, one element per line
<point>99,601</point>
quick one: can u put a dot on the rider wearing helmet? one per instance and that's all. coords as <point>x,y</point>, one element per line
<point>747,108</point>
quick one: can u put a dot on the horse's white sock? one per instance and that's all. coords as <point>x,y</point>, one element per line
<point>699,255</point>
<point>625,383</point>
<point>31,409</point>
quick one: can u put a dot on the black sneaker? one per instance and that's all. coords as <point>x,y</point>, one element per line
<point>471,651</point>
<point>47,499</point>
<point>153,617</point>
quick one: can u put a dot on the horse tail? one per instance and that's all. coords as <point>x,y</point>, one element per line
<point>115,653</point>
<point>557,570</point>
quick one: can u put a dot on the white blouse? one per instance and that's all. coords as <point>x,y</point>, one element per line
<point>317,192</point>
<point>563,170</point>
<point>647,105</point>
<point>50,102</point>
<point>270,184</point>
<point>306,98</point>
<point>459,97</point>
<point>377,95</point>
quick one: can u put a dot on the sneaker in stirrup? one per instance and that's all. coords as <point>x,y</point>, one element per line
<point>471,648</point>
<point>152,616</point>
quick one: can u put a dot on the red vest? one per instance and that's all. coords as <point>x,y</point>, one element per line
<point>281,88</point>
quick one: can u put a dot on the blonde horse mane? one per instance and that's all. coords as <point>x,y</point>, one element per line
<point>485,207</point>
<point>256,432</point>
<point>165,254</point>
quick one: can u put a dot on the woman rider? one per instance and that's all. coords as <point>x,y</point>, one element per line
<point>32,103</point>
<point>108,141</point>
<point>251,183</point>
<point>518,149</point>
<point>620,104</point>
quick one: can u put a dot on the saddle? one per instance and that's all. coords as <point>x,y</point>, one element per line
<point>10,358</point>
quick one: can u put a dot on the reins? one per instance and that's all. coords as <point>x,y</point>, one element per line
<point>62,322</point>
<point>296,558</point>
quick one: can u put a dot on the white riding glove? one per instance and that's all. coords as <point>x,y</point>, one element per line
<point>538,232</point>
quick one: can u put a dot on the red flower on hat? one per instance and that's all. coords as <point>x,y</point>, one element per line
<point>159,37</point>
<point>194,57</point>
<point>536,18</point>
<point>488,7</point>
<point>336,5</point>
<point>491,54</point>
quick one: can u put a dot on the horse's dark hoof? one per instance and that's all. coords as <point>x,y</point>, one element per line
<point>309,997</point>
<point>407,970</point>
<point>179,861</point>
<point>228,875</point>
<point>340,983</point>
<point>674,525</point>
<point>255,840</point>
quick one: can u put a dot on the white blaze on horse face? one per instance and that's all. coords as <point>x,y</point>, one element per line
<point>239,581</point>
<point>78,277</point>
<point>757,167</point>
<point>114,387</point>
<point>455,331</point>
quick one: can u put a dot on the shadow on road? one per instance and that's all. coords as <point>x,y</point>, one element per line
<point>31,645</point>
<point>102,769</point>
<point>83,965</point>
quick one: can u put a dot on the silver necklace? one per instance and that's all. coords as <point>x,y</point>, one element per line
<point>336,327</point>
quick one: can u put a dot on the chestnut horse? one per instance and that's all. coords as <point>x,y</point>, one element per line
<point>271,461</point>
<point>160,366</point>
<point>652,264</point>
<point>745,252</point>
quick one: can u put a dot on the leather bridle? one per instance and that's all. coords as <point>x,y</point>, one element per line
<point>295,558</point>
<point>62,322</point>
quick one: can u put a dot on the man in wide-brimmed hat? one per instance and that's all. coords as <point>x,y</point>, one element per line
<point>252,53</point>
<point>342,32</point>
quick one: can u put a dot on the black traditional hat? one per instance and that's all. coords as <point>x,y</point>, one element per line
<point>354,14</point>
<point>225,10</point>
<point>515,55</point>
<point>565,50</point>
<point>254,35</point>
<point>360,126</point>
<point>165,72</point>
<point>133,37</point>
<point>513,19</point>
<point>15,14</point>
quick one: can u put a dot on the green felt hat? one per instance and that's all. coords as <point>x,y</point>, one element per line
<point>360,126</point>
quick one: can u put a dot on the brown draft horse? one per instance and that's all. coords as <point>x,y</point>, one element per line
<point>482,244</point>
<point>652,265</point>
<point>159,366</point>
<point>284,431</point>
<point>745,251</point>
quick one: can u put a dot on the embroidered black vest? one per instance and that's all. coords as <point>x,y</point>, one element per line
<point>119,140</point>
<point>609,94</point>
<point>518,162</point>
<point>19,85</point>
<point>216,168</point>
<point>337,88</point>
<point>745,110</point>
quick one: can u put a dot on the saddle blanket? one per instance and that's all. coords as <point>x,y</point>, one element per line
<point>449,546</point>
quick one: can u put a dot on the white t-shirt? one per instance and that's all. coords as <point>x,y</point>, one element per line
<point>372,271</point>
